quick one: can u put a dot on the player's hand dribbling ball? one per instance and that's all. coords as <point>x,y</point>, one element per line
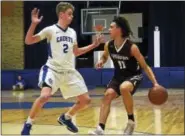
<point>158,95</point>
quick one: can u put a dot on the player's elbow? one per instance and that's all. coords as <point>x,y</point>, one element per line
<point>28,42</point>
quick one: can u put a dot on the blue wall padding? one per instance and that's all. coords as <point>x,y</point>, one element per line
<point>172,77</point>
<point>107,75</point>
<point>91,76</point>
<point>176,79</point>
<point>162,76</point>
<point>7,79</point>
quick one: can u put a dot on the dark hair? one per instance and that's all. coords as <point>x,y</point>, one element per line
<point>124,25</point>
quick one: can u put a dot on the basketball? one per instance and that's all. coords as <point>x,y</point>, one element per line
<point>158,95</point>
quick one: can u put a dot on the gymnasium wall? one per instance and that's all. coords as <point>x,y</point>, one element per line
<point>169,77</point>
<point>12,37</point>
<point>17,56</point>
<point>169,16</point>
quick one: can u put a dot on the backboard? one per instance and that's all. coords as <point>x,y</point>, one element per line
<point>92,17</point>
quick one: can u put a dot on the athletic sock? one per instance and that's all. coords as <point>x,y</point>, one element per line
<point>29,121</point>
<point>67,116</point>
<point>131,117</point>
<point>102,126</point>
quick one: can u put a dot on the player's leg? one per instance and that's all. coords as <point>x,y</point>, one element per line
<point>74,87</point>
<point>111,93</point>
<point>127,89</point>
<point>82,102</point>
<point>39,102</point>
<point>45,76</point>
<point>36,107</point>
<point>66,119</point>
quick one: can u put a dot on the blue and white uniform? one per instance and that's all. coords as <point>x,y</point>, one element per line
<point>59,70</point>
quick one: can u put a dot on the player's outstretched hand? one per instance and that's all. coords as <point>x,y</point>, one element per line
<point>35,16</point>
<point>99,65</point>
<point>99,38</point>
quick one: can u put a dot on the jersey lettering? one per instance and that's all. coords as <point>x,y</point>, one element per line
<point>121,64</point>
<point>64,39</point>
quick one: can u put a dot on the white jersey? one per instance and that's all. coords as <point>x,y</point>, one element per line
<point>60,47</point>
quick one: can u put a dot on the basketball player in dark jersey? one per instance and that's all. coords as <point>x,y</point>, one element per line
<point>128,62</point>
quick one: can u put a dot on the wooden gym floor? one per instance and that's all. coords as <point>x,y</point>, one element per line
<point>167,119</point>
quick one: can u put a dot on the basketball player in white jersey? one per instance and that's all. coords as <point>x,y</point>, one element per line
<point>59,70</point>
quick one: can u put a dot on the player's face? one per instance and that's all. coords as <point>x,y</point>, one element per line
<point>67,16</point>
<point>114,31</point>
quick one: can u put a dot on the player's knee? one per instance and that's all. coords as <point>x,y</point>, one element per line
<point>108,97</point>
<point>85,101</point>
<point>44,98</point>
<point>125,89</point>
<point>88,101</point>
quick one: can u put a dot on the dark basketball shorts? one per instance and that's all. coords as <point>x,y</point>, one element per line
<point>116,82</point>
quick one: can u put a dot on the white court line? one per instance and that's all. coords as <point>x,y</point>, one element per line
<point>113,117</point>
<point>157,115</point>
<point>157,121</point>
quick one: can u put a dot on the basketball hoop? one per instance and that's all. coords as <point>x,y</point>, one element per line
<point>99,29</point>
<point>96,20</point>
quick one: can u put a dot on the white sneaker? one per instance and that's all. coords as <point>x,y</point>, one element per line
<point>129,128</point>
<point>98,131</point>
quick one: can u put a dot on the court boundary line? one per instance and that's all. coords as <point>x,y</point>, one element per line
<point>86,127</point>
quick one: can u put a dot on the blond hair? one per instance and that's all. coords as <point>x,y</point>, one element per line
<point>63,6</point>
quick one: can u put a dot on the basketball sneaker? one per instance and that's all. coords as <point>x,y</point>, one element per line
<point>26,129</point>
<point>130,127</point>
<point>98,131</point>
<point>67,122</point>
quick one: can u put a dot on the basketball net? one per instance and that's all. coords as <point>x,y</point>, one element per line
<point>98,29</point>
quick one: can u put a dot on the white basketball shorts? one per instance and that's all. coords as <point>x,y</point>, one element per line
<point>70,82</point>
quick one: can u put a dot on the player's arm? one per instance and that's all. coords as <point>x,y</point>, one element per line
<point>79,51</point>
<point>104,57</point>
<point>30,37</point>
<point>139,57</point>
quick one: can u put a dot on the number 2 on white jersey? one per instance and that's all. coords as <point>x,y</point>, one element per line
<point>65,48</point>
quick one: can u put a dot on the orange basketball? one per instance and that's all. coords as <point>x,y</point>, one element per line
<point>158,95</point>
